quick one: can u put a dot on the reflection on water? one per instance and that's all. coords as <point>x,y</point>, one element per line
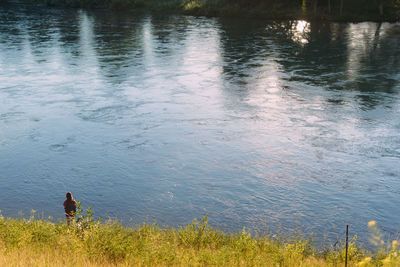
<point>291,124</point>
<point>300,31</point>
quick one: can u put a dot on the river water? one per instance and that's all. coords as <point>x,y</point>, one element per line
<point>268,125</point>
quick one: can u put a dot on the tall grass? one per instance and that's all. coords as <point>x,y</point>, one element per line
<point>40,242</point>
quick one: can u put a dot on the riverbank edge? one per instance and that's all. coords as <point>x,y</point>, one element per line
<point>218,8</point>
<point>40,242</point>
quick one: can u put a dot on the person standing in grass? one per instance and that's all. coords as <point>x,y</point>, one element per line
<point>69,207</point>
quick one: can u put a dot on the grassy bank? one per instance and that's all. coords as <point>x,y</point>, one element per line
<point>39,242</point>
<point>353,10</point>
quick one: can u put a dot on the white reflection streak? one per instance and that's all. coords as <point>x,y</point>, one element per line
<point>359,36</point>
<point>353,47</point>
<point>202,60</point>
<point>28,59</point>
<point>148,42</point>
<point>57,66</point>
<point>1,59</point>
<point>268,87</point>
<point>87,44</point>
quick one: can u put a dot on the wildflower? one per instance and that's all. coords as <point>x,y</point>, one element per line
<point>367,259</point>
<point>394,244</point>
<point>386,260</point>
<point>364,261</point>
<point>371,223</point>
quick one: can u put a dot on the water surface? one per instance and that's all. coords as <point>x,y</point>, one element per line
<point>263,124</point>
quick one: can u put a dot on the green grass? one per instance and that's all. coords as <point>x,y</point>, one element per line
<point>40,242</point>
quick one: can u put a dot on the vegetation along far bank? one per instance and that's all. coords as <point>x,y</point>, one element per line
<point>334,10</point>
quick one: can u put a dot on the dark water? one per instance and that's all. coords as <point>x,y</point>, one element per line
<point>280,125</point>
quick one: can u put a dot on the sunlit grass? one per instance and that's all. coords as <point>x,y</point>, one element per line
<point>39,242</point>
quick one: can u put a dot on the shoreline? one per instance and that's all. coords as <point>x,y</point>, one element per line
<point>215,10</point>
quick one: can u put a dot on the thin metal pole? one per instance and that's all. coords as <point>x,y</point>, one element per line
<point>347,244</point>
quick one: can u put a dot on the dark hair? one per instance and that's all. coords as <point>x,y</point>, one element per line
<point>69,204</point>
<point>69,196</point>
